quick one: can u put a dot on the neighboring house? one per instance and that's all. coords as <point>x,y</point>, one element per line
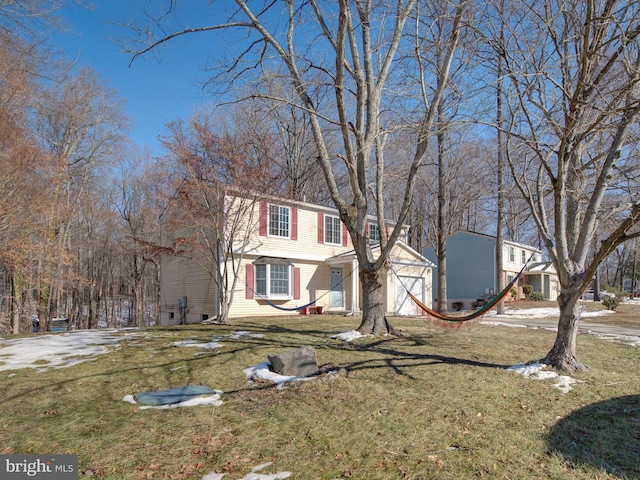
<point>297,253</point>
<point>471,269</point>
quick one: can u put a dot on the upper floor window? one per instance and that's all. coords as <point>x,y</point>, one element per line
<point>332,230</point>
<point>523,257</point>
<point>512,254</point>
<point>374,232</point>
<point>278,221</point>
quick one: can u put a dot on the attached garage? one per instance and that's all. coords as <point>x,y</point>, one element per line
<point>404,304</point>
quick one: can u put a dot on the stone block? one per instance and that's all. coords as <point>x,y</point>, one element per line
<point>301,362</point>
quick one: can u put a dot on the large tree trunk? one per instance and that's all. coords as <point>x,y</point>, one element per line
<point>443,216</point>
<point>563,354</point>
<point>374,321</point>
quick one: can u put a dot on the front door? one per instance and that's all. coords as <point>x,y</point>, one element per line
<point>336,293</point>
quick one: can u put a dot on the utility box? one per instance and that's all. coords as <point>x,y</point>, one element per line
<point>59,324</point>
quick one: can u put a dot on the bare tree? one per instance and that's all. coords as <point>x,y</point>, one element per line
<point>573,69</point>
<point>354,48</point>
<point>22,190</point>
<point>139,204</point>
<point>213,215</point>
<point>80,123</point>
<point>284,132</point>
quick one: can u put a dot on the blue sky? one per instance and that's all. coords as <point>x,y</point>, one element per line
<point>157,89</point>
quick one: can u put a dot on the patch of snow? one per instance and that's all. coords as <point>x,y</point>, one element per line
<point>262,372</point>
<point>193,343</point>
<point>504,324</point>
<point>537,371</point>
<point>242,333</point>
<point>56,351</point>
<point>626,339</point>
<point>215,341</point>
<point>349,335</point>
<point>254,475</point>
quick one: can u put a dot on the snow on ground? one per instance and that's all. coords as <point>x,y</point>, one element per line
<point>58,351</point>
<point>68,349</point>
<point>537,371</point>
<point>543,312</point>
<point>254,475</point>
<point>349,336</point>
<point>216,340</point>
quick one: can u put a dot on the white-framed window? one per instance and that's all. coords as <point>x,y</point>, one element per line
<point>512,254</point>
<point>523,257</point>
<point>374,232</point>
<point>273,280</point>
<point>332,230</point>
<point>279,221</point>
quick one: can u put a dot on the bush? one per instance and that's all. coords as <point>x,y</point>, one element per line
<point>610,302</point>
<point>537,296</point>
<point>527,290</point>
<point>514,293</point>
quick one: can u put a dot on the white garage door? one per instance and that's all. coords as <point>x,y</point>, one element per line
<point>404,304</point>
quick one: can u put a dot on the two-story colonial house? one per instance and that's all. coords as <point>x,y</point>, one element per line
<point>296,254</point>
<point>471,269</point>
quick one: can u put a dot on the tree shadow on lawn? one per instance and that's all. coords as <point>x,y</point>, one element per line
<point>605,435</point>
<point>278,337</point>
<point>401,362</point>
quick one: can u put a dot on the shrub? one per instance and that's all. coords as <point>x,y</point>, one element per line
<point>514,293</point>
<point>527,290</point>
<point>536,296</point>
<point>610,302</point>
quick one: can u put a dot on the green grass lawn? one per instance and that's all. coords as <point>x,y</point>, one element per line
<point>437,404</point>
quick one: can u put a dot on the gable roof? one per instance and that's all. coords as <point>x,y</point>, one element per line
<point>493,238</point>
<point>351,254</point>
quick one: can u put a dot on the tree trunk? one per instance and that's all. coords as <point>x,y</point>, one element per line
<point>224,312</point>
<point>443,216</point>
<point>16,304</point>
<point>563,354</point>
<point>374,321</point>
<point>500,280</point>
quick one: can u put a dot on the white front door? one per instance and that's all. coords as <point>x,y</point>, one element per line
<point>336,285</point>
<point>404,304</point>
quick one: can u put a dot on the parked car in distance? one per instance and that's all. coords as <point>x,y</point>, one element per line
<point>588,295</point>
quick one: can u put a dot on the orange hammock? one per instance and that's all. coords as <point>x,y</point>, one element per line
<point>475,314</point>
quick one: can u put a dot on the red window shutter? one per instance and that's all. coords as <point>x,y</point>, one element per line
<point>263,219</point>
<point>296,283</point>
<point>320,227</point>
<point>344,235</point>
<point>386,231</point>
<point>366,229</point>
<point>294,223</point>
<point>249,280</point>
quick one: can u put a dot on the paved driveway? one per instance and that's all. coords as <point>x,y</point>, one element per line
<point>548,318</point>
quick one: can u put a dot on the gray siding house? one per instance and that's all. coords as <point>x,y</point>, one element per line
<point>471,269</point>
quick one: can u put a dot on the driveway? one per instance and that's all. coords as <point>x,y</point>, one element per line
<point>548,318</point>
